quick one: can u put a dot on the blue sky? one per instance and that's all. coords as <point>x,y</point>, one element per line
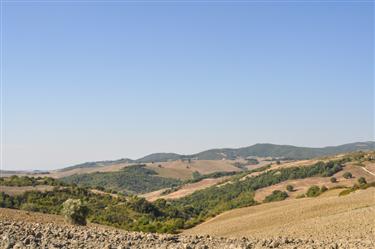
<point>97,81</point>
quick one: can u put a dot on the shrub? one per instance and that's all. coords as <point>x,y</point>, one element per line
<point>276,195</point>
<point>362,180</point>
<point>313,191</point>
<point>333,179</point>
<point>347,175</point>
<point>290,188</point>
<point>75,212</point>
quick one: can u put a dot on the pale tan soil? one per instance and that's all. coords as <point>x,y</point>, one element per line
<point>350,217</point>
<point>20,215</point>
<point>185,189</point>
<point>174,169</point>
<point>184,170</point>
<point>60,174</point>
<point>13,190</point>
<point>302,185</point>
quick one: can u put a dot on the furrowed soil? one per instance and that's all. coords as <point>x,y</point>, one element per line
<point>346,219</point>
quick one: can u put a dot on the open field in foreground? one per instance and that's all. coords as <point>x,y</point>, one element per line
<point>350,217</point>
<point>20,229</point>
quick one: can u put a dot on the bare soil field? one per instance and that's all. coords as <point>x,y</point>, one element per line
<point>13,190</point>
<point>183,169</point>
<point>348,218</point>
<point>185,189</point>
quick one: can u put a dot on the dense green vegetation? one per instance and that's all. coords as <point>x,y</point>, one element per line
<point>276,195</point>
<point>132,179</point>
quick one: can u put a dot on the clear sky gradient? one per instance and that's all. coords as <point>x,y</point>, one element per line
<point>100,81</point>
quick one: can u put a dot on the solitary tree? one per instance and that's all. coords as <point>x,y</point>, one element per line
<point>333,179</point>
<point>362,180</point>
<point>75,211</point>
<point>290,188</point>
<point>313,191</point>
<point>347,175</point>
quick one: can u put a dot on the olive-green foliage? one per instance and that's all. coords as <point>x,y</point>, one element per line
<point>347,175</point>
<point>276,195</point>
<point>362,180</point>
<point>290,188</point>
<point>356,187</point>
<point>75,212</point>
<point>313,191</point>
<point>133,179</point>
<point>333,179</point>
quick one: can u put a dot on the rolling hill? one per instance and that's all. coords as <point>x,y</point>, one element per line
<point>257,150</point>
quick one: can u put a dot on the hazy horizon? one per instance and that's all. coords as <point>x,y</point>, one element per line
<point>90,81</point>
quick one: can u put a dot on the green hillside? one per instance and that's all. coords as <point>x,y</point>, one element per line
<point>133,179</point>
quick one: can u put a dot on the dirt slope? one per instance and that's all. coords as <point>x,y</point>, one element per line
<point>350,218</point>
<point>184,190</point>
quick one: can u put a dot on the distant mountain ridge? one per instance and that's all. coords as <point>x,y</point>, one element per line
<point>256,150</point>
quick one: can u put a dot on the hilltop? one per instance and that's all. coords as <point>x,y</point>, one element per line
<point>258,150</point>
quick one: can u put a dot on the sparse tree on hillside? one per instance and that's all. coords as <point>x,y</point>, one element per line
<point>313,191</point>
<point>75,211</point>
<point>347,175</point>
<point>290,188</point>
<point>333,179</point>
<point>362,180</point>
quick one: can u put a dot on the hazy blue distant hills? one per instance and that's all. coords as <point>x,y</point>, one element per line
<point>257,150</point>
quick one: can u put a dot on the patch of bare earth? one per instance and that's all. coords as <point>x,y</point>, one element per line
<point>345,218</point>
<point>184,190</point>
<point>14,190</point>
<point>184,169</point>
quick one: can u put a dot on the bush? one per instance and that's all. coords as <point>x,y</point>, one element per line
<point>276,195</point>
<point>313,191</point>
<point>333,179</point>
<point>362,180</point>
<point>347,175</point>
<point>75,212</point>
<point>290,188</point>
